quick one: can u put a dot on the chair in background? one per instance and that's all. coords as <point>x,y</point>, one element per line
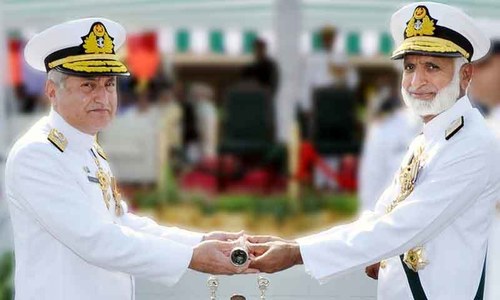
<point>247,131</point>
<point>335,138</point>
<point>334,125</point>
<point>248,122</point>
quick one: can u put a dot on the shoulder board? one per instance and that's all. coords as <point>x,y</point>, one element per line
<point>100,151</point>
<point>57,139</point>
<point>454,127</point>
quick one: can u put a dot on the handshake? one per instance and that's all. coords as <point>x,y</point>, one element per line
<point>253,254</point>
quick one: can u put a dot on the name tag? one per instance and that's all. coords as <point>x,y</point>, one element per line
<point>93,179</point>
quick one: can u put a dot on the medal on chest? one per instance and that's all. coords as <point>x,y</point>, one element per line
<point>103,180</point>
<point>413,258</point>
<point>106,181</point>
<point>408,177</point>
<point>117,196</point>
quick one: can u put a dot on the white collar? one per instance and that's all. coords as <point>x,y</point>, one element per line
<point>495,113</point>
<point>435,129</point>
<point>76,139</point>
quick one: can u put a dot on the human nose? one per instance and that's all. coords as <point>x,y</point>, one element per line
<point>418,78</point>
<point>101,94</point>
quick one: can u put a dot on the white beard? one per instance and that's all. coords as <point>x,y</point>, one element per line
<point>444,99</point>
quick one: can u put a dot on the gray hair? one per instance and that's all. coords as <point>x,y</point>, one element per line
<point>459,62</point>
<point>57,77</point>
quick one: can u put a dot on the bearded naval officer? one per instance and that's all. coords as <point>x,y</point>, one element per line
<point>430,227</point>
<point>74,238</point>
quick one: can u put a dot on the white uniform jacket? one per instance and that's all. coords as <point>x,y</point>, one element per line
<point>68,244</point>
<point>448,213</point>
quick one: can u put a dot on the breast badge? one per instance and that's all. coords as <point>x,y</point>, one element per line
<point>415,259</point>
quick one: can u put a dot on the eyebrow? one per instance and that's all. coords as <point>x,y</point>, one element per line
<point>88,78</point>
<point>423,62</point>
<point>112,78</point>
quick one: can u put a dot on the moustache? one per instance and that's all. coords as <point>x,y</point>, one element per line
<point>100,108</point>
<point>421,91</point>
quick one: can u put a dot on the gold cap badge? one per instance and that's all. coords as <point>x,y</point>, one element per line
<point>98,40</point>
<point>421,23</point>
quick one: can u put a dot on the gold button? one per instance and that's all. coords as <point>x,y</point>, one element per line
<point>383,264</point>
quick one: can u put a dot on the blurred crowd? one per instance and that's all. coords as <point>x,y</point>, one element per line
<point>195,108</point>
<point>344,113</point>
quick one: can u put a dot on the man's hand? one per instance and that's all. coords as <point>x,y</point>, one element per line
<point>261,239</point>
<point>274,256</point>
<point>213,257</point>
<point>222,236</point>
<point>372,271</point>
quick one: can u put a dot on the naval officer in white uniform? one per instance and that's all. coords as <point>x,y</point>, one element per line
<point>74,238</point>
<point>430,226</point>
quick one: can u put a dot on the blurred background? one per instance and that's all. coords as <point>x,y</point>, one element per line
<point>274,116</point>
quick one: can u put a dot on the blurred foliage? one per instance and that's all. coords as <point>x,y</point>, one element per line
<point>342,203</point>
<point>169,191</point>
<point>274,214</point>
<point>311,202</point>
<point>7,276</point>
<point>274,205</point>
<point>277,205</point>
<point>235,203</point>
<point>148,199</point>
<point>166,193</point>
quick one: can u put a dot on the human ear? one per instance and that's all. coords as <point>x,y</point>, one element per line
<point>465,75</point>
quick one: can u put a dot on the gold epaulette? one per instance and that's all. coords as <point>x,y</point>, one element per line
<point>57,139</point>
<point>454,127</point>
